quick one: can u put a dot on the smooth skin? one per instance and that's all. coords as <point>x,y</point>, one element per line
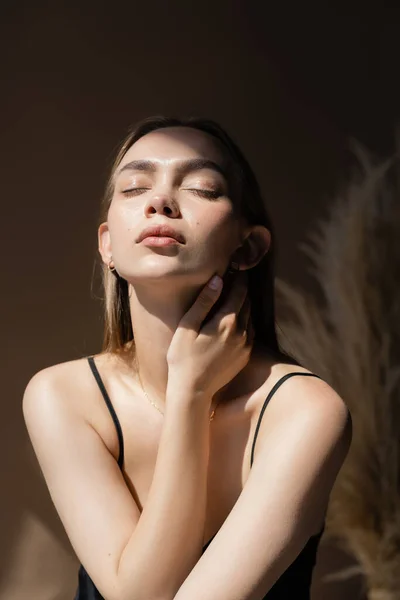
<point>140,534</point>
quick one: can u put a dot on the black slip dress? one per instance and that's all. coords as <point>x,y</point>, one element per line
<point>295,582</point>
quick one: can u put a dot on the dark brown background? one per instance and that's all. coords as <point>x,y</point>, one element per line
<point>290,83</point>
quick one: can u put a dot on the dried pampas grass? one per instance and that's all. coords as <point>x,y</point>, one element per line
<point>352,339</point>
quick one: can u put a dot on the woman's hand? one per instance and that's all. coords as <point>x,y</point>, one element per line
<point>205,357</point>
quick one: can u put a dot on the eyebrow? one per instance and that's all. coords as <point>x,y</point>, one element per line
<point>185,166</point>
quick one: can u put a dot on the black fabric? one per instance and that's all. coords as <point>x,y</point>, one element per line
<point>295,582</point>
<point>110,408</point>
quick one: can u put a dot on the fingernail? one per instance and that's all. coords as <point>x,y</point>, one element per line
<point>215,282</point>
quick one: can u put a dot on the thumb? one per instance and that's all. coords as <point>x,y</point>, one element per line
<point>196,314</point>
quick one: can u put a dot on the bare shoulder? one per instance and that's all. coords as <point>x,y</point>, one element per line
<point>64,381</point>
<point>302,391</point>
<point>298,386</point>
<point>301,397</point>
<point>68,390</point>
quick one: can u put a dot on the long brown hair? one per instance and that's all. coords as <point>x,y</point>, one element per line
<point>248,201</point>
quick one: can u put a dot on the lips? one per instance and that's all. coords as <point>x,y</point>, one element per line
<point>161,231</point>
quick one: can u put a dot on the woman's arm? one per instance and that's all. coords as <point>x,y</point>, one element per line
<point>168,539</point>
<point>301,448</point>
<point>129,555</point>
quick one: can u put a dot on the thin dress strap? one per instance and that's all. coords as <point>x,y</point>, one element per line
<point>271,393</point>
<point>110,408</point>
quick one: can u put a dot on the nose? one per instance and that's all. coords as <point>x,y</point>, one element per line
<point>162,203</point>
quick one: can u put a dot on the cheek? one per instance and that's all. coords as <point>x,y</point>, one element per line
<point>217,226</point>
<point>121,222</point>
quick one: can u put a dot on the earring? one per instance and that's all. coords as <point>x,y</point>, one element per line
<point>111,268</point>
<point>234,267</point>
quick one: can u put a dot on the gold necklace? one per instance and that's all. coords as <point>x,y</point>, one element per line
<point>159,410</point>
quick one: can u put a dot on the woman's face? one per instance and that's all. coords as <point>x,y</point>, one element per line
<point>194,201</point>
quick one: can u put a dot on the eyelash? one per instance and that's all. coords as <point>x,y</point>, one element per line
<point>208,193</point>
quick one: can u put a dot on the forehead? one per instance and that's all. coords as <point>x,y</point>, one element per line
<point>172,144</point>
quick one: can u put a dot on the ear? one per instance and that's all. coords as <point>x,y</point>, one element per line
<point>254,247</point>
<point>104,242</point>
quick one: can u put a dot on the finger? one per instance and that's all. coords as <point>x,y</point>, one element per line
<point>235,299</point>
<point>245,324</point>
<point>231,304</point>
<point>196,314</point>
<point>244,315</point>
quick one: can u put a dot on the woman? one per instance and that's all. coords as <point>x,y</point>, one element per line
<point>161,488</point>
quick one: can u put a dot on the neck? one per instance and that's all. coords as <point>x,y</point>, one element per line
<point>154,322</point>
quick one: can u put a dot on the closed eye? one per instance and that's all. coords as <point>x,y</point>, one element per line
<point>207,193</point>
<point>133,190</point>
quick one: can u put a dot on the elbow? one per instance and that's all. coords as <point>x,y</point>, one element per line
<point>138,592</point>
<point>141,595</point>
<point>134,582</point>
